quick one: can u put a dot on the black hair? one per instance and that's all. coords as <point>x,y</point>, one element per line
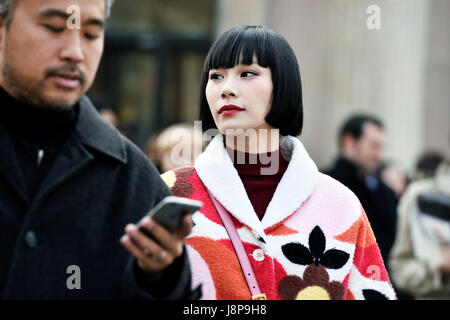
<point>354,125</point>
<point>239,45</point>
<point>7,8</point>
<point>428,162</point>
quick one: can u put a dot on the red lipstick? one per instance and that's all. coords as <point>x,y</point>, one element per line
<point>230,109</point>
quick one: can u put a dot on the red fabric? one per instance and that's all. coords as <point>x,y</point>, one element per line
<point>260,188</point>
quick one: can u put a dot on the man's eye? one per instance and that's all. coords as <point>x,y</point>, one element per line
<point>91,36</point>
<point>215,76</point>
<point>54,29</point>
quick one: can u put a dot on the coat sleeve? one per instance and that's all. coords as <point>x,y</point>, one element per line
<point>175,284</point>
<point>368,278</point>
<point>146,190</point>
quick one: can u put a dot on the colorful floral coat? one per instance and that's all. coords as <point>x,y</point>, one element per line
<point>314,241</point>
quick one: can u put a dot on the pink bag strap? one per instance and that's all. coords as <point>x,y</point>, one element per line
<point>240,250</point>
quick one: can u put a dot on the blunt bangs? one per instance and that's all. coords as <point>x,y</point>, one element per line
<point>239,45</point>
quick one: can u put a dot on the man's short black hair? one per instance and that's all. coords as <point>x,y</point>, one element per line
<point>239,45</point>
<point>354,125</point>
<point>7,9</point>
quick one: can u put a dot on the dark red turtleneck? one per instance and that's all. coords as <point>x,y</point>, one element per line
<point>259,185</point>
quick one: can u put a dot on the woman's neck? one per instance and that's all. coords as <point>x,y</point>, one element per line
<point>256,141</point>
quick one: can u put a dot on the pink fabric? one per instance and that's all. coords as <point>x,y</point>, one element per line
<point>325,205</point>
<point>202,276</point>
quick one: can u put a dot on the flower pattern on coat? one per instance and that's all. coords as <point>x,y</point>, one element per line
<point>316,254</point>
<point>370,294</point>
<point>315,285</point>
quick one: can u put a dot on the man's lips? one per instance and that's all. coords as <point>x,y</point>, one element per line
<point>230,109</point>
<point>68,80</point>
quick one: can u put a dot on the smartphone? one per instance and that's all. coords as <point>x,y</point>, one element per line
<point>171,210</point>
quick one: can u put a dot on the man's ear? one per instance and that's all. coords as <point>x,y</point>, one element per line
<point>2,30</point>
<point>347,143</point>
<point>346,139</point>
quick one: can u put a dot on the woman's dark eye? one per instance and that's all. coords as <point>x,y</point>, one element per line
<point>54,29</point>
<point>247,74</point>
<point>215,76</point>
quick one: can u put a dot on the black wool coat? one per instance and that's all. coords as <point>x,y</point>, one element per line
<point>70,230</point>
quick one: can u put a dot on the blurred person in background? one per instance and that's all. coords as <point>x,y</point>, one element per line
<point>176,146</point>
<point>69,183</point>
<point>392,176</point>
<point>427,164</point>
<point>107,111</point>
<point>361,145</point>
<point>301,234</point>
<point>110,116</point>
<point>105,108</point>
<point>420,257</point>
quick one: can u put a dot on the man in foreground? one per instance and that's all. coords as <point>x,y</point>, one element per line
<point>69,183</point>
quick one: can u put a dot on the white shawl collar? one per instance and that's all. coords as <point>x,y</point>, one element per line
<point>216,170</point>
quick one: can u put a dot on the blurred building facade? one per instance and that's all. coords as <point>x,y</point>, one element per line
<point>151,67</point>
<point>400,73</point>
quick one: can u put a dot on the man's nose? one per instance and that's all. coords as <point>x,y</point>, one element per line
<point>72,50</point>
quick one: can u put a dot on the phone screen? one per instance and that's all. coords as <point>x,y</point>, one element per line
<point>171,210</point>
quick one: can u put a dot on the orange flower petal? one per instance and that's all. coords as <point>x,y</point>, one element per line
<point>225,269</point>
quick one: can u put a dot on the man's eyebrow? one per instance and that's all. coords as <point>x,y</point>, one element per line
<point>96,22</point>
<point>48,13</point>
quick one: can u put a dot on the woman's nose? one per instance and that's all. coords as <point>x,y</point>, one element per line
<point>227,93</point>
<point>229,89</point>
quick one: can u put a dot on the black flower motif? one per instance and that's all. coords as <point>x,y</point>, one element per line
<point>316,254</point>
<point>370,294</point>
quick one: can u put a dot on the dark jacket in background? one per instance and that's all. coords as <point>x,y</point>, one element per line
<point>98,183</point>
<point>377,199</point>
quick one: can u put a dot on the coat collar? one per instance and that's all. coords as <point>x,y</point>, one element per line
<point>90,130</point>
<point>95,133</point>
<point>216,170</point>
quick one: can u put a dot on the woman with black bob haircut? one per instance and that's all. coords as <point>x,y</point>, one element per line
<point>272,226</point>
<point>240,45</point>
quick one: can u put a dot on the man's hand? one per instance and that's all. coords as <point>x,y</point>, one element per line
<point>154,256</point>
